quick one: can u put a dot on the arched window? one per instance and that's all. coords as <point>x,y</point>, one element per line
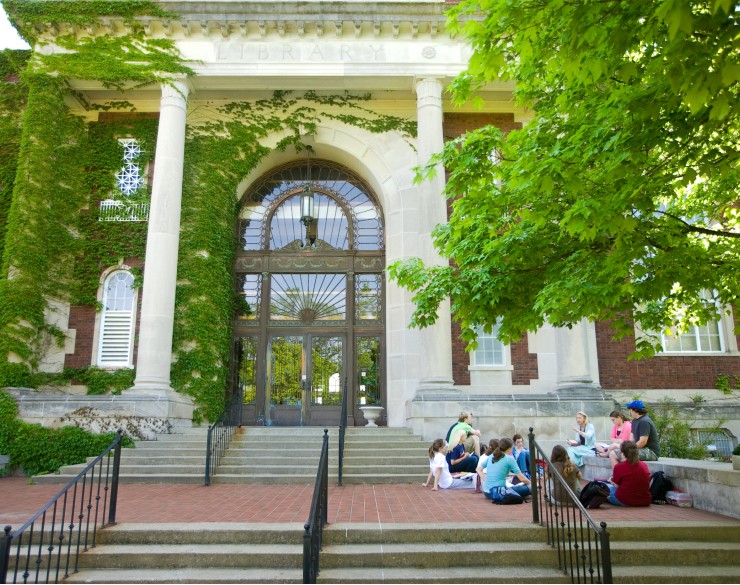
<point>117,322</point>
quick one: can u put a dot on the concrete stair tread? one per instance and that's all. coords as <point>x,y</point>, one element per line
<point>188,575</point>
<point>479,574</point>
<point>192,548</point>
<point>676,574</point>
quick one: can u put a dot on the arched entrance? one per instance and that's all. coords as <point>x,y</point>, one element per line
<point>310,290</point>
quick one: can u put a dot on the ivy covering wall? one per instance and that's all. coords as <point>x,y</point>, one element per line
<point>56,248</point>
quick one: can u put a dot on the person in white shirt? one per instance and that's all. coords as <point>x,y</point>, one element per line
<point>440,471</point>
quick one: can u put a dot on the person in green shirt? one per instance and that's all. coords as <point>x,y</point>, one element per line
<point>463,432</point>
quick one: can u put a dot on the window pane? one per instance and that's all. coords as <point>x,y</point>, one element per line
<point>367,297</point>
<point>308,297</point>
<point>247,368</point>
<point>248,293</point>
<point>490,351</point>
<point>368,352</point>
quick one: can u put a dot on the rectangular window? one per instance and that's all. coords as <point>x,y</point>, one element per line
<point>490,351</point>
<point>698,339</point>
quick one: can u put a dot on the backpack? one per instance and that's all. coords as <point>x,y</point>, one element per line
<point>594,493</point>
<point>660,484</point>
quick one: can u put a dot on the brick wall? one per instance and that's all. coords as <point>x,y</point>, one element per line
<point>661,372</point>
<point>455,125</point>
<point>525,363</point>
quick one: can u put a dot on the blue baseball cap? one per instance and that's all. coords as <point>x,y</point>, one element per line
<point>636,405</point>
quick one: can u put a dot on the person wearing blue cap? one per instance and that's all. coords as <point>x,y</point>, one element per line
<point>644,434</point>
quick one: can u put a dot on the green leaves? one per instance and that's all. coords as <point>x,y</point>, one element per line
<point>623,185</point>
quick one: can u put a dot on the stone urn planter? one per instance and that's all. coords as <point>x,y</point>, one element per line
<point>736,462</point>
<point>371,414</point>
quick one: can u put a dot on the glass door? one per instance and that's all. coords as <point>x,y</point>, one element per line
<point>305,380</point>
<point>287,381</point>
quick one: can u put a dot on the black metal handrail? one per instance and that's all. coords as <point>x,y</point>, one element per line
<point>48,546</point>
<point>221,432</point>
<point>583,547</point>
<point>317,517</point>
<point>342,430</point>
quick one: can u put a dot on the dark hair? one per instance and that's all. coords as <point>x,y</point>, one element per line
<point>617,414</point>
<point>516,437</point>
<point>630,452</point>
<point>492,446</point>
<point>503,446</point>
<point>438,443</point>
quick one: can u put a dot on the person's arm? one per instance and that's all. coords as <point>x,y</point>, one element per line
<point>642,442</point>
<point>464,456</point>
<point>514,468</point>
<point>437,473</point>
<point>429,478</point>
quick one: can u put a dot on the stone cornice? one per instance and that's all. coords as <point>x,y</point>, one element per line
<point>260,20</point>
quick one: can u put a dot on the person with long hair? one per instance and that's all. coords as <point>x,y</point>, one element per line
<point>440,472</point>
<point>487,453</point>
<point>630,480</point>
<point>584,444</point>
<point>498,467</point>
<point>559,460</point>
<point>621,432</point>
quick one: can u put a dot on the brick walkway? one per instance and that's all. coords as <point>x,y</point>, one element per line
<point>290,503</point>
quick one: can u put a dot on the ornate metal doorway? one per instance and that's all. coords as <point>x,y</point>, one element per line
<point>310,287</point>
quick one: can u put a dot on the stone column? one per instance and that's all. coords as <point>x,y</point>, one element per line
<point>573,357</point>
<point>437,345</point>
<point>160,270</point>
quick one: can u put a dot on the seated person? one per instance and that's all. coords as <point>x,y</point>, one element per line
<point>584,444</point>
<point>492,446</point>
<point>440,472</point>
<point>463,432</point>
<point>630,480</point>
<point>460,460</point>
<point>520,454</point>
<point>644,434</point>
<point>621,431</point>
<point>559,460</point>
<point>498,467</point>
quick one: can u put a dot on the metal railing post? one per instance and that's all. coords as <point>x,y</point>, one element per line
<point>114,481</point>
<point>208,455</point>
<point>606,555</point>
<point>5,554</point>
<point>534,477</point>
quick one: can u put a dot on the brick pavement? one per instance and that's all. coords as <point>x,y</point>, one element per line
<point>165,503</point>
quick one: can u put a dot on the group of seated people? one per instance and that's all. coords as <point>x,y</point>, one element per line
<point>505,463</point>
<point>501,462</point>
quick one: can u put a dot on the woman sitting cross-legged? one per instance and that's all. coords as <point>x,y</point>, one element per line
<point>584,444</point>
<point>498,467</point>
<point>621,432</point>
<point>630,481</point>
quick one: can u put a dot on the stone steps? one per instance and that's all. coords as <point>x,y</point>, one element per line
<point>257,455</point>
<point>400,553</point>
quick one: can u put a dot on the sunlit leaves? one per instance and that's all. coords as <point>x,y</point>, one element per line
<point>623,185</point>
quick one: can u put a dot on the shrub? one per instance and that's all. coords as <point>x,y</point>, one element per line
<point>674,432</point>
<point>14,375</point>
<point>736,450</point>
<point>36,449</point>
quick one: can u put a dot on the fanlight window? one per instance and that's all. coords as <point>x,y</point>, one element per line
<point>346,216</point>
<point>308,297</point>
<point>118,319</point>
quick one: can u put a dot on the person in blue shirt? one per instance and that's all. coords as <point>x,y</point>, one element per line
<point>498,467</point>
<point>460,460</point>
<point>520,454</point>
